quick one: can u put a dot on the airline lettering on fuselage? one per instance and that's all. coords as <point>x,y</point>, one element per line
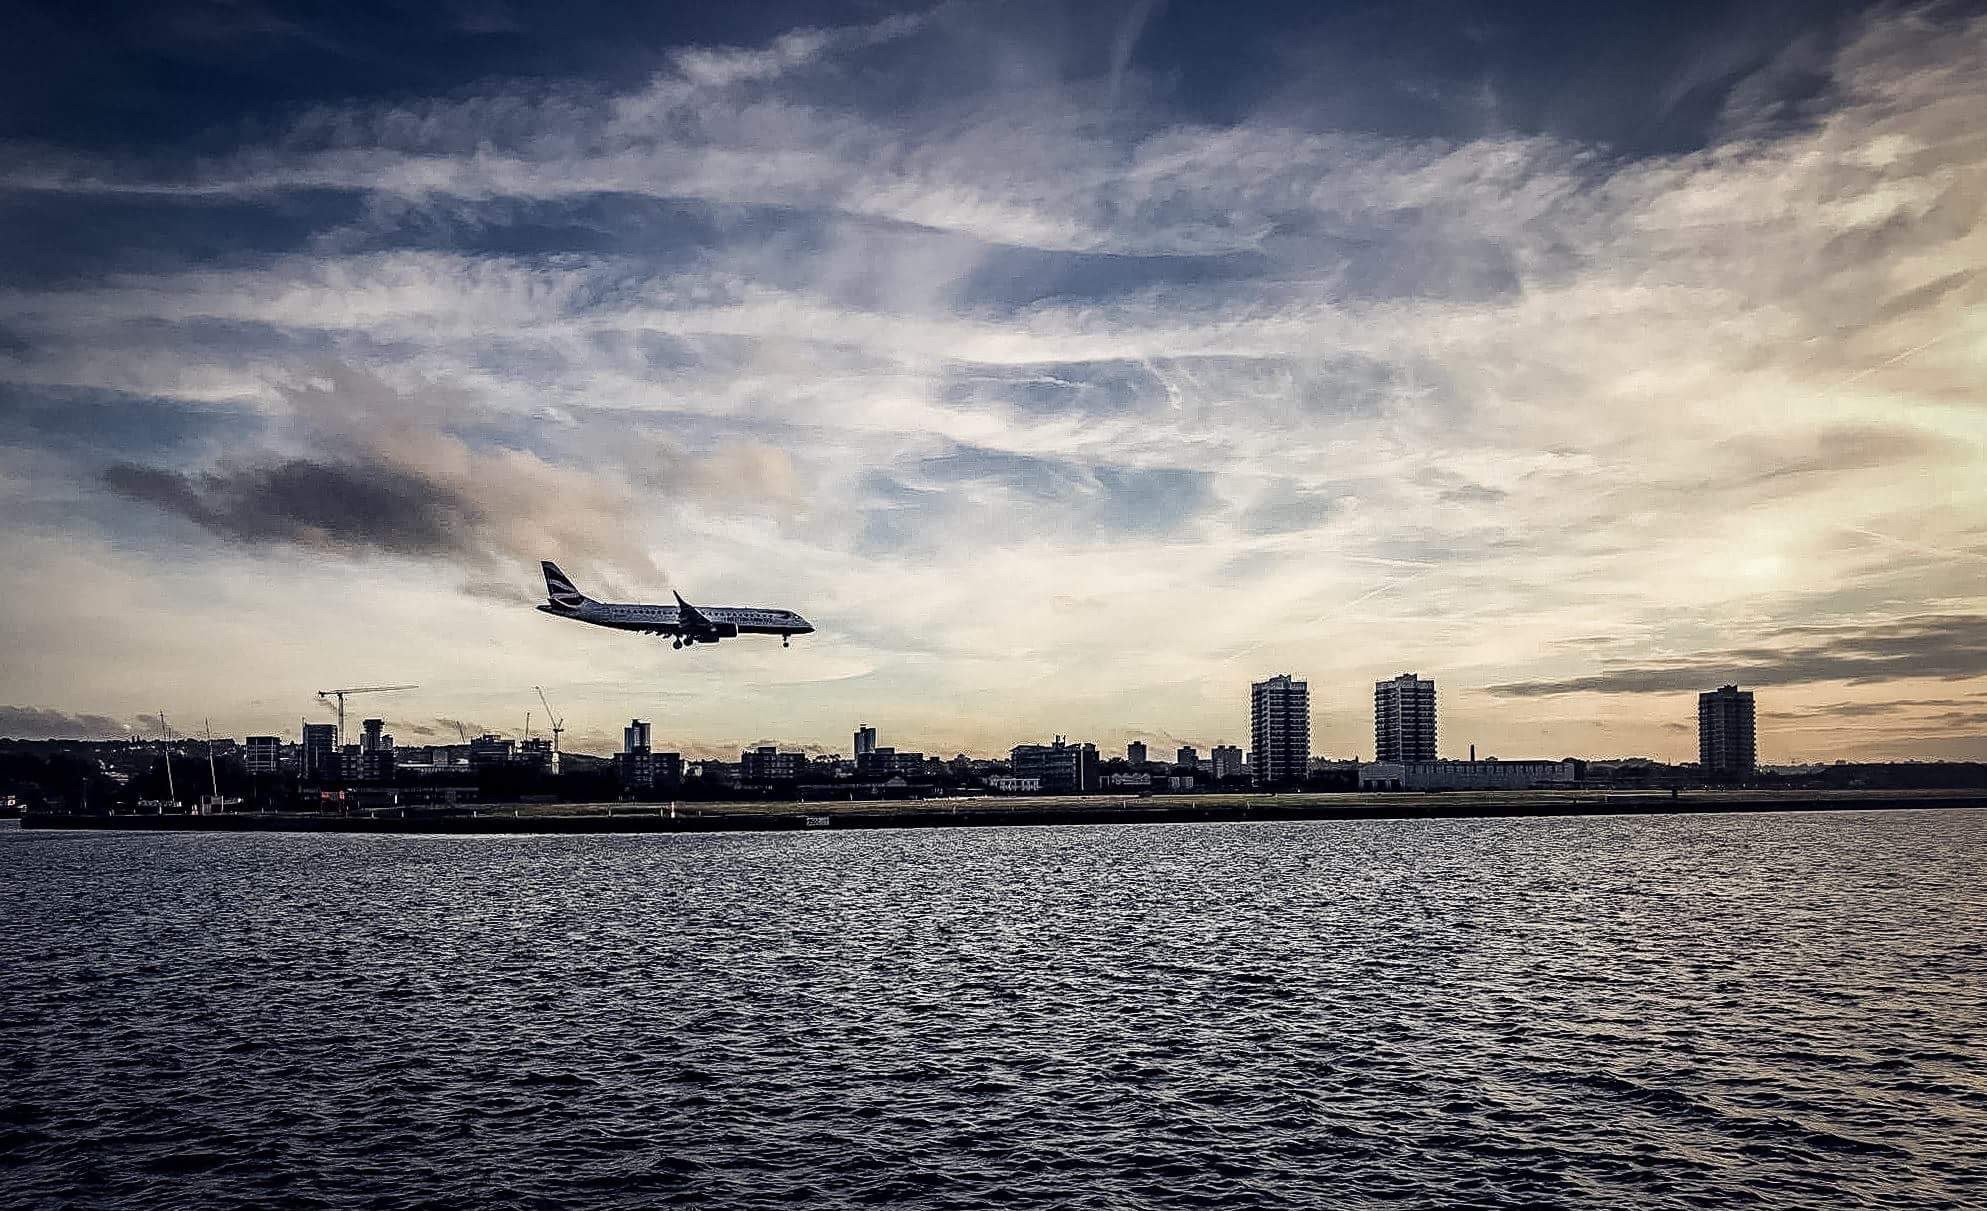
<point>684,623</point>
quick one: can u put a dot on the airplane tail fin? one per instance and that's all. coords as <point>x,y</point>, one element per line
<point>559,587</point>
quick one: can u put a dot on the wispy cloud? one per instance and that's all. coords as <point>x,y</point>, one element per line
<point>1945,648</point>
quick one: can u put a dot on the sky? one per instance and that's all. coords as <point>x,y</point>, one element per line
<point>1069,366</point>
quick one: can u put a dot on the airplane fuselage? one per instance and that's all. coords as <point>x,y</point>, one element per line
<point>687,624</point>
<point>716,622</point>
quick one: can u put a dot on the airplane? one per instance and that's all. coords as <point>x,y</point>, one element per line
<point>688,624</point>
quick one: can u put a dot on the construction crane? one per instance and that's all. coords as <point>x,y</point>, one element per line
<point>328,695</point>
<point>558,725</point>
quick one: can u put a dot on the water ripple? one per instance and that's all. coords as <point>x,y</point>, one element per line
<point>1666,1012</point>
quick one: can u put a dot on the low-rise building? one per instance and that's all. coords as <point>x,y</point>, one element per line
<point>1011,784</point>
<point>1487,774</point>
<point>885,762</point>
<point>490,750</point>
<point>1062,767</point>
<point>767,764</point>
<point>646,770</point>
<point>536,753</point>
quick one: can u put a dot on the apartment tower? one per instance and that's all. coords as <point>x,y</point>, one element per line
<point>1725,731</point>
<point>1404,719</point>
<point>1280,730</point>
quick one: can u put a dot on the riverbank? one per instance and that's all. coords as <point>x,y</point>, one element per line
<point>1007,812</point>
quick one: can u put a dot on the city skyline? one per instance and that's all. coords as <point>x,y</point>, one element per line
<point>1068,396</point>
<point>1278,708</point>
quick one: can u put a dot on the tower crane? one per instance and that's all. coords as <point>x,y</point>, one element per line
<point>558,725</point>
<point>328,695</point>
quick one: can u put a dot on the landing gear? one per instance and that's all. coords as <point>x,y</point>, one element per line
<point>785,641</point>
<point>677,644</point>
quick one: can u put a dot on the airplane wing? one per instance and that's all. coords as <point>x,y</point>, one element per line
<point>692,618</point>
<point>695,626</point>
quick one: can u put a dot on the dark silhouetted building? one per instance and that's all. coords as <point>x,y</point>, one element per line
<point>1280,729</point>
<point>886,761</point>
<point>1404,719</point>
<point>489,751</point>
<point>1187,756</point>
<point>865,741</point>
<point>1061,767</point>
<point>375,753</point>
<point>648,770</point>
<point>641,769</point>
<point>635,737</point>
<point>320,751</point>
<point>535,753</point>
<point>1725,740</point>
<point>1135,753</point>
<point>1226,762</point>
<point>262,754</point>
<point>767,764</point>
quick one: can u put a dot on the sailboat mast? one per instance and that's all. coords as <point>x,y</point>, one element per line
<point>165,736</point>
<point>213,778</point>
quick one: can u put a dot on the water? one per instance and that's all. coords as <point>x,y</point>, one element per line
<point>1780,1011</point>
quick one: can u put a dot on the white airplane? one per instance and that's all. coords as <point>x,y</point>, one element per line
<point>688,624</point>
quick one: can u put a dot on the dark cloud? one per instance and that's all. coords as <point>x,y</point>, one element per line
<point>38,723</point>
<point>1474,494</point>
<point>308,503</point>
<point>391,469</point>
<point>440,729</point>
<point>1863,710</point>
<point>1948,647</point>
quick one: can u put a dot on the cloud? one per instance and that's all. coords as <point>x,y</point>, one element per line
<point>1892,706</point>
<point>443,730</point>
<point>887,354</point>
<point>1942,647</point>
<point>387,475</point>
<point>314,504</point>
<point>40,723</point>
<point>77,423</point>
